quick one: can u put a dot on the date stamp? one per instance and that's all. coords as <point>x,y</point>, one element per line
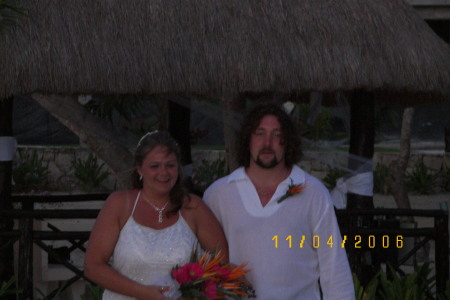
<point>357,241</point>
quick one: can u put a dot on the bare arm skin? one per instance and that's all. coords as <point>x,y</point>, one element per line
<point>101,246</point>
<point>205,225</point>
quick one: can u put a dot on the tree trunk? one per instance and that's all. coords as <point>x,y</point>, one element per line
<point>362,139</point>
<point>396,178</point>
<point>179,128</point>
<point>6,224</point>
<point>93,131</point>
<point>233,107</point>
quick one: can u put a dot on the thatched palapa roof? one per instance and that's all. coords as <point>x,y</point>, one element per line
<point>221,47</point>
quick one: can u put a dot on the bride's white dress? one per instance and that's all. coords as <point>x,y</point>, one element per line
<point>147,255</point>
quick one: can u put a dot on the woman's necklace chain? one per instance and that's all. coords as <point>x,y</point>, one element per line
<point>159,210</point>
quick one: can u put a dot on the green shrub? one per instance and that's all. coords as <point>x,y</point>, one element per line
<point>415,286</point>
<point>8,288</point>
<point>30,173</point>
<point>333,174</point>
<point>368,292</point>
<point>94,292</point>
<point>420,180</point>
<point>89,173</point>
<point>392,285</point>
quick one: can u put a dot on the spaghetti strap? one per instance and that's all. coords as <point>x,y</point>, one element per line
<point>135,202</point>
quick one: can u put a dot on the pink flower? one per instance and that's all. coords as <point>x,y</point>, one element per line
<point>195,270</point>
<point>222,273</point>
<point>181,275</point>
<point>210,289</point>
<point>187,273</point>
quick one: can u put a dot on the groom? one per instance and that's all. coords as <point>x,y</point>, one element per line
<point>293,246</point>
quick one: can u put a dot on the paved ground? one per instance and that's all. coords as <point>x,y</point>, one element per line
<point>434,201</point>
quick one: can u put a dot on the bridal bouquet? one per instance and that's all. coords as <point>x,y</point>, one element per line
<point>211,278</point>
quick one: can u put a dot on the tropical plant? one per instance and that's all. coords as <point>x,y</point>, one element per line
<point>93,292</point>
<point>369,291</point>
<point>127,109</point>
<point>30,173</point>
<point>332,175</point>
<point>89,173</point>
<point>106,106</point>
<point>8,288</point>
<point>415,286</point>
<point>420,180</point>
<point>206,173</point>
<point>395,285</point>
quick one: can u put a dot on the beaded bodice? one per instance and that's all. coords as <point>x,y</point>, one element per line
<point>147,255</point>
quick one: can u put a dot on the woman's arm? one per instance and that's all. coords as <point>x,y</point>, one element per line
<point>102,242</point>
<point>208,230</point>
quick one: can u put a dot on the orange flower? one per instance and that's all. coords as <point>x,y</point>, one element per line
<point>293,189</point>
<point>237,272</point>
<point>212,278</point>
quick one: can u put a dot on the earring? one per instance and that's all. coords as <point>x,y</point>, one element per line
<point>140,178</point>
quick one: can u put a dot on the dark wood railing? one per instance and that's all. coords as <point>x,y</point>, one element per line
<point>385,223</point>
<point>26,236</point>
<point>349,221</point>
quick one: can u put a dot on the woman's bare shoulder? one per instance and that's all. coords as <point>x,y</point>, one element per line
<point>191,202</point>
<point>195,208</point>
<point>121,201</point>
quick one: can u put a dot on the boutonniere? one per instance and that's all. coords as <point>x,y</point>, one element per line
<point>293,189</point>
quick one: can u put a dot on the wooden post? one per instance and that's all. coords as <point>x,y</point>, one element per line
<point>25,268</point>
<point>441,252</point>
<point>6,253</point>
<point>362,138</point>
<point>447,139</point>
<point>179,127</point>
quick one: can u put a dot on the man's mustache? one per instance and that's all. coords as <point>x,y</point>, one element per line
<point>266,150</point>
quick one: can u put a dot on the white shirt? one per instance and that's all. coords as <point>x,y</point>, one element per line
<point>269,237</point>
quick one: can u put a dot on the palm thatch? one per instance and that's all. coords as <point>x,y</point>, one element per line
<point>220,47</point>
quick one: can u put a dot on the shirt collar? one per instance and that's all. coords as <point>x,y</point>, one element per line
<point>238,174</point>
<point>297,175</point>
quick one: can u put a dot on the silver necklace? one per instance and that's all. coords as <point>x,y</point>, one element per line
<point>159,210</point>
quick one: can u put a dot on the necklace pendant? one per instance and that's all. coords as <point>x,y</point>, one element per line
<point>159,210</point>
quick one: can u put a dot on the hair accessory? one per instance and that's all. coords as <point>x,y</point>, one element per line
<point>146,135</point>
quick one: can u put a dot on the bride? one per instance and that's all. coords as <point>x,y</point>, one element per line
<point>141,234</point>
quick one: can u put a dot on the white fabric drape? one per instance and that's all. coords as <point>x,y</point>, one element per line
<point>360,184</point>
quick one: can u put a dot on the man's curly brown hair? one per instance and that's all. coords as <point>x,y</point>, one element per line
<point>290,137</point>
